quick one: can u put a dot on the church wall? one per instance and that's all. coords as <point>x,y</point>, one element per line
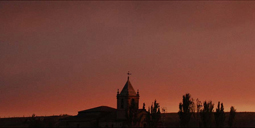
<point>121,112</point>
<point>127,101</point>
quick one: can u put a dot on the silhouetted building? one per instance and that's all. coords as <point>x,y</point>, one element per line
<point>125,98</point>
<point>104,116</point>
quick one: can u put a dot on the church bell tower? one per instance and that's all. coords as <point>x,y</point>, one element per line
<point>125,99</point>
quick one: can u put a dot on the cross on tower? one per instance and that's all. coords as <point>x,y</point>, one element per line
<point>128,74</point>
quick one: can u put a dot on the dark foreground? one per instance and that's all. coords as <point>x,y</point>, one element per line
<point>242,119</point>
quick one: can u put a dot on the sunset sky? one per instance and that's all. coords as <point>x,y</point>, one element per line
<point>60,57</point>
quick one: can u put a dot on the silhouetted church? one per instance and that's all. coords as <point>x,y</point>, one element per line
<point>104,116</point>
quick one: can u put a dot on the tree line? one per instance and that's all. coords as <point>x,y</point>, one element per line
<point>203,113</point>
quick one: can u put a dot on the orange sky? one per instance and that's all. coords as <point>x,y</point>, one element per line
<point>60,57</point>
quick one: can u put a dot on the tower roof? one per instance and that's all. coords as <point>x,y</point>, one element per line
<point>128,89</point>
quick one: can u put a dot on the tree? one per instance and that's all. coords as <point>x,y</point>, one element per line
<point>219,115</point>
<point>232,114</point>
<point>185,110</point>
<point>207,114</point>
<point>198,107</point>
<point>154,115</point>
